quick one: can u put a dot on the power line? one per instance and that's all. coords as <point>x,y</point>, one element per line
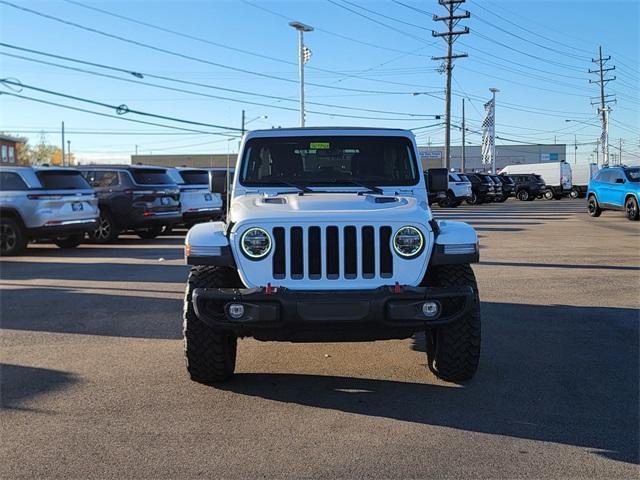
<point>84,110</point>
<point>120,109</point>
<point>186,82</point>
<point>178,54</point>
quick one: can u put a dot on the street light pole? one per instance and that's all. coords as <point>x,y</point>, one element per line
<point>301,28</point>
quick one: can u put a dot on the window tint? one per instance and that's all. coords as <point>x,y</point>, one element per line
<point>616,175</point>
<point>633,174</point>
<point>195,177</point>
<point>151,176</point>
<point>62,179</point>
<point>604,176</point>
<point>11,181</point>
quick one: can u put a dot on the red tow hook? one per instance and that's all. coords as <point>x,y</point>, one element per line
<point>268,290</point>
<point>397,288</point>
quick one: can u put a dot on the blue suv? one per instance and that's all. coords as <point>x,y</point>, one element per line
<point>615,188</point>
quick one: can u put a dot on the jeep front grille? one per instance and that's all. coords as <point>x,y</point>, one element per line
<point>332,252</point>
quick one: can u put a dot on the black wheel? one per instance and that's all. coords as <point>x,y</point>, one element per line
<point>549,195</point>
<point>502,199</point>
<point>210,354</point>
<point>453,351</point>
<point>593,208</point>
<point>149,233</point>
<point>106,232</point>
<point>631,207</point>
<point>574,193</point>
<point>473,200</point>
<point>523,195</point>
<point>448,201</point>
<point>72,241</point>
<point>13,240</point>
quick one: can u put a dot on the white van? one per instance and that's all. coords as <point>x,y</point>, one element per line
<point>581,174</point>
<point>557,176</point>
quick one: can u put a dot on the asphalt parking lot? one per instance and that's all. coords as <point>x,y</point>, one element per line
<point>93,383</point>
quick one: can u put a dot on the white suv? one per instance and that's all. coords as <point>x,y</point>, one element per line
<point>44,202</point>
<point>330,237</point>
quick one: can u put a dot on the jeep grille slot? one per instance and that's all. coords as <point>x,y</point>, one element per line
<point>278,253</point>
<point>332,252</point>
<point>297,253</point>
<point>386,260</point>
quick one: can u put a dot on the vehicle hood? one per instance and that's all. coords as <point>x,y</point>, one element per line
<point>328,207</point>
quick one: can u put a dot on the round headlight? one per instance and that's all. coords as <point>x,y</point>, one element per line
<point>408,242</point>
<point>255,243</point>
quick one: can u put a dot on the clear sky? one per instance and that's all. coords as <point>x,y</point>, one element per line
<point>536,53</point>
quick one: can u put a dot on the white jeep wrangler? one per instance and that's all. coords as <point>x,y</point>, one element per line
<point>329,237</point>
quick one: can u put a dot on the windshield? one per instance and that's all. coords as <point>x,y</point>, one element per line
<point>151,176</point>
<point>633,174</point>
<point>62,179</point>
<point>347,161</point>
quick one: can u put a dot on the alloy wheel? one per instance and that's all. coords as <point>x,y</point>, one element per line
<point>632,209</point>
<point>104,229</point>
<point>8,238</point>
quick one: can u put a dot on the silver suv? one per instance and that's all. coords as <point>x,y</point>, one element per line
<point>44,202</point>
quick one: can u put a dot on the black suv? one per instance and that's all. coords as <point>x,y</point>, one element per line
<point>139,198</point>
<point>528,186</point>
<point>482,188</point>
<point>508,187</point>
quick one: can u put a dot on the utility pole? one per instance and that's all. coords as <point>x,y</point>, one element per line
<point>242,124</point>
<point>464,145</point>
<point>493,131</point>
<point>136,150</point>
<point>68,153</point>
<point>303,57</point>
<point>603,108</point>
<point>451,20</point>
<point>620,148</point>
<point>575,148</point>
<point>62,159</point>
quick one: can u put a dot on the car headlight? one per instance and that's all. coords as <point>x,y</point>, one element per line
<point>255,243</point>
<point>408,242</point>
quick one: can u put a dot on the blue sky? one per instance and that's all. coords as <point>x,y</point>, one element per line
<point>536,53</point>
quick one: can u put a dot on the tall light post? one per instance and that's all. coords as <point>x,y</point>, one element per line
<point>493,133</point>
<point>301,28</point>
<point>575,141</point>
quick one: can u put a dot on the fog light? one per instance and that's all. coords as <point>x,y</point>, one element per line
<point>236,310</point>
<point>430,309</point>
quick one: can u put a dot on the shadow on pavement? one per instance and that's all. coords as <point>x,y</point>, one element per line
<point>560,265</point>
<point>61,310</point>
<point>19,384</point>
<point>164,251</point>
<point>559,374</point>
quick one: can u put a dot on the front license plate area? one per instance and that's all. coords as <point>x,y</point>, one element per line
<point>77,206</point>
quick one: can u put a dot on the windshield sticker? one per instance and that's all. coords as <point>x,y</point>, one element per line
<point>319,145</point>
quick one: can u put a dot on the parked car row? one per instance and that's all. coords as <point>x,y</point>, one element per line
<point>477,188</point>
<point>65,205</point>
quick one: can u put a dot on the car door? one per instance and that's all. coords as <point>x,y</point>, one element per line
<point>618,187</point>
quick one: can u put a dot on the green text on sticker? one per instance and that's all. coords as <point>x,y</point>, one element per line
<point>320,145</point>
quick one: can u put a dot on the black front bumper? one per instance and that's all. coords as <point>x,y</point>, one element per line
<point>346,315</point>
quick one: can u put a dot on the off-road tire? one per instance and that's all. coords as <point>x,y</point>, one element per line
<point>523,195</point>
<point>72,241</point>
<point>106,232</point>
<point>631,209</point>
<point>13,239</point>
<point>210,354</point>
<point>149,233</point>
<point>453,350</point>
<point>593,209</point>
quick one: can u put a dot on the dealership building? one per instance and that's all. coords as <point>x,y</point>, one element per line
<point>433,157</point>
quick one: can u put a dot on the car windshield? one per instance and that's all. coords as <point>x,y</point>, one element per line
<point>633,174</point>
<point>151,176</point>
<point>329,161</point>
<point>62,180</point>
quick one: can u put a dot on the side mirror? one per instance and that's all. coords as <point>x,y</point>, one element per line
<point>619,180</point>
<point>438,180</point>
<point>217,182</point>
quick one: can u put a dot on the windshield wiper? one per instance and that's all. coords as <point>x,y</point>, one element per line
<point>371,188</point>
<point>302,188</point>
